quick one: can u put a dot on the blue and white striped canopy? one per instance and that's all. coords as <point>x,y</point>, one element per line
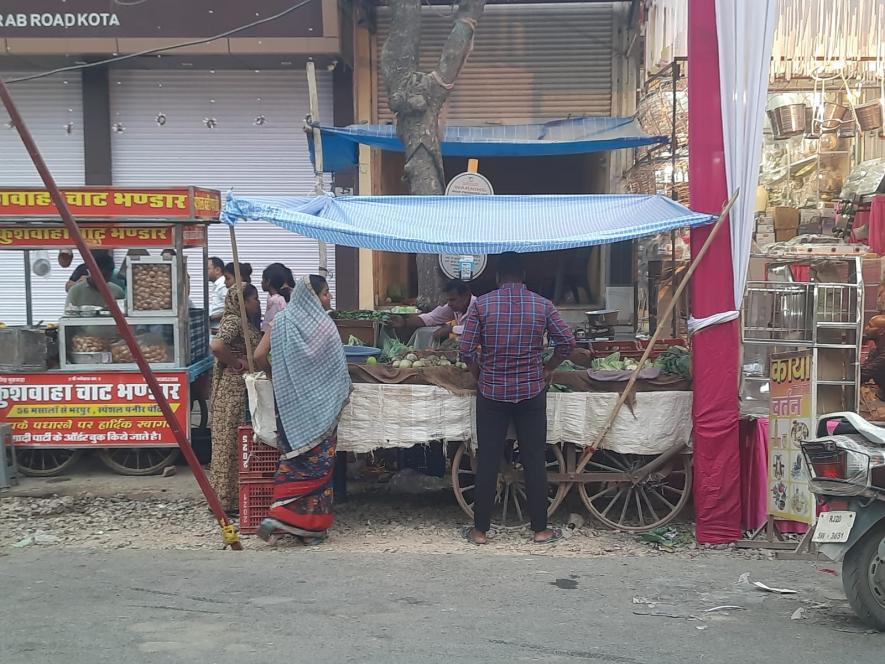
<point>555,137</point>
<point>467,224</point>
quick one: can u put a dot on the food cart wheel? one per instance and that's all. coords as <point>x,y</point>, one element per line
<point>510,502</point>
<point>37,462</point>
<point>138,460</point>
<point>636,506</point>
<point>199,413</point>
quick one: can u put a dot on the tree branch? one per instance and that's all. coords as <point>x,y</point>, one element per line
<point>418,99</point>
<point>401,54</point>
<point>459,43</point>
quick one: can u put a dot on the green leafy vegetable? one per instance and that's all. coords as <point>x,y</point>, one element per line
<point>394,349</point>
<point>675,360</point>
<point>382,317</point>
<point>612,362</point>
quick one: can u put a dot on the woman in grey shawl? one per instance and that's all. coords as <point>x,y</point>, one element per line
<point>311,387</point>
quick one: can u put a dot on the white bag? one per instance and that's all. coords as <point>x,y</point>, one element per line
<point>262,408</point>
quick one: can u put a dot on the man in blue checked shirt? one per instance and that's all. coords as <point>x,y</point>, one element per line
<point>509,325</point>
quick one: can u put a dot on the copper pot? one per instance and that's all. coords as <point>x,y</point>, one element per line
<point>834,114</point>
<point>787,120</point>
<point>869,115</point>
<point>812,127</point>
<point>846,130</point>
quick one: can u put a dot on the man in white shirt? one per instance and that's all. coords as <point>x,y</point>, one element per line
<point>449,317</point>
<point>217,291</point>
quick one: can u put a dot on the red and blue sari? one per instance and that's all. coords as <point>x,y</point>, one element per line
<point>302,493</point>
<point>311,387</point>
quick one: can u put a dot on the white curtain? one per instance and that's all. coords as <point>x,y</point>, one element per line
<point>745,31</point>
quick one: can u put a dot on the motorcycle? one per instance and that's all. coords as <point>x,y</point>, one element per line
<point>846,466</point>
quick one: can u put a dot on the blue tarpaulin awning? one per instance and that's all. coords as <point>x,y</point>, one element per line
<point>467,224</point>
<point>556,137</point>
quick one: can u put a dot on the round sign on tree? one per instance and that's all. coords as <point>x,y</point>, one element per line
<point>466,266</point>
<point>469,184</point>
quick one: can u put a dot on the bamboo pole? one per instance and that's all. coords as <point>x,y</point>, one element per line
<point>588,452</point>
<point>314,100</point>
<point>244,322</point>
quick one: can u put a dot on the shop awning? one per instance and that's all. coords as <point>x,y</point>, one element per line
<point>556,137</point>
<point>467,224</point>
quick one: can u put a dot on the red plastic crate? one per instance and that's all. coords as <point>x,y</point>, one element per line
<point>257,460</point>
<point>631,349</point>
<point>255,500</point>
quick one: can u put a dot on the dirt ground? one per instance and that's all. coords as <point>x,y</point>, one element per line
<point>93,508</point>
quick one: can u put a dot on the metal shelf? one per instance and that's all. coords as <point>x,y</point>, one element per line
<point>781,315</point>
<point>848,325</point>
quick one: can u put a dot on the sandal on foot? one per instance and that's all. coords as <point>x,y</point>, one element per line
<point>555,536</point>
<point>467,533</point>
<point>312,541</point>
<point>270,526</point>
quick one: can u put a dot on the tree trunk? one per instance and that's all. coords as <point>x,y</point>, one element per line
<point>417,100</point>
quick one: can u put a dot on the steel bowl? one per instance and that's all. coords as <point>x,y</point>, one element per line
<point>90,358</point>
<point>602,317</point>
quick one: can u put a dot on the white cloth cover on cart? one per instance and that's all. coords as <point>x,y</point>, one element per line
<point>390,416</point>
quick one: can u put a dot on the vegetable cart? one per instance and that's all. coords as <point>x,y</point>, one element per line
<point>638,479</point>
<point>70,385</point>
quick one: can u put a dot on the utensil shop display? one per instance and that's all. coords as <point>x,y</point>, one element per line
<point>85,390</point>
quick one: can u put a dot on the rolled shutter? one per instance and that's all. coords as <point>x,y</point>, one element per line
<point>528,62</point>
<point>52,109</point>
<point>258,147</point>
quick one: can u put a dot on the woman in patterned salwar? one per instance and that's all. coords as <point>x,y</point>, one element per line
<point>228,399</point>
<point>311,386</point>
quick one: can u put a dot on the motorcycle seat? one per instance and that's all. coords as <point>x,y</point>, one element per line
<point>852,423</point>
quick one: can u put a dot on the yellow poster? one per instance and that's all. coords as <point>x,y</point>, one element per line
<point>791,420</point>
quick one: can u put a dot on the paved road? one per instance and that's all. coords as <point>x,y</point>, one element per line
<point>64,606</point>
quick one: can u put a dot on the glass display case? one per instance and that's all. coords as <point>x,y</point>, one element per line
<point>152,286</point>
<point>95,343</point>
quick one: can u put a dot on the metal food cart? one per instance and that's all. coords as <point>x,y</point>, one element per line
<point>70,385</point>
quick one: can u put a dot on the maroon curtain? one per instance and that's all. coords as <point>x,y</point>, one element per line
<point>717,486</point>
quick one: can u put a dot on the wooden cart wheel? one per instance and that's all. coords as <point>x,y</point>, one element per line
<point>37,462</point>
<point>636,506</point>
<point>509,510</point>
<point>138,460</point>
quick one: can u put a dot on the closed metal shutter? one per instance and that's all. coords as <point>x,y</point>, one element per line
<point>528,62</point>
<point>240,153</point>
<point>52,108</point>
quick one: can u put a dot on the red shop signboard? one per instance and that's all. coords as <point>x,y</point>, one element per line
<point>91,409</point>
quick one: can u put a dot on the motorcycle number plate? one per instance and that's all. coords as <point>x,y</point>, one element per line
<point>834,527</point>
